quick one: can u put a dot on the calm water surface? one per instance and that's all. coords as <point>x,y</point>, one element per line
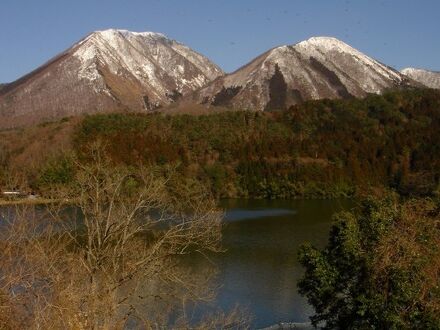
<point>260,268</point>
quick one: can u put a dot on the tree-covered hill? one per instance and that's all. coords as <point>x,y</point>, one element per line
<point>320,149</point>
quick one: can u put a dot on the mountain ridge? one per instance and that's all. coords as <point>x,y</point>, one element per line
<point>320,67</point>
<point>109,70</point>
<point>120,70</point>
<point>428,78</point>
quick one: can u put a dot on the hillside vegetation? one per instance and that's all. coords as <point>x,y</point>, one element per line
<point>320,149</point>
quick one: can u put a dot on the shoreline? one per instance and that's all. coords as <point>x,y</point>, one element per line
<point>45,201</point>
<point>33,201</point>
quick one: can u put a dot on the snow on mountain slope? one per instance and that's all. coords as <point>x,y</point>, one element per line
<point>430,79</point>
<point>109,70</point>
<point>320,67</point>
<point>149,57</point>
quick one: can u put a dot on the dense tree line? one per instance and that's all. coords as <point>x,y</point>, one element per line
<point>327,148</point>
<point>318,149</point>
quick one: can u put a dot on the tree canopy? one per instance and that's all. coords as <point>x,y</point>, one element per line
<point>380,268</point>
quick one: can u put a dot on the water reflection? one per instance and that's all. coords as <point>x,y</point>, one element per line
<point>260,268</point>
<point>242,214</point>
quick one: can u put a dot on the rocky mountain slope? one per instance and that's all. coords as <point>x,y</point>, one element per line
<point>430,79</point>
<point>320,67</point>
<point>106,71</point>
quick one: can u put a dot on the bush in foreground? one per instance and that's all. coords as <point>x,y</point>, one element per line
<point>379,270</point>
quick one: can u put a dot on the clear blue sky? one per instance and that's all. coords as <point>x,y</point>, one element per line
<point>231,32</point>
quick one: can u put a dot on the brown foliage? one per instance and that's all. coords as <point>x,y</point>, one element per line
<point>413,246</point>
<point>123,262</point>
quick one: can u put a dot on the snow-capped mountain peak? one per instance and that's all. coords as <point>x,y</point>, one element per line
<point>147,56</point>
<point>428,78</point>
<point>326,45</point>
<point>106,71</point>
<point>126,33</point>
<point>325,42</point>
<point>320,67</point>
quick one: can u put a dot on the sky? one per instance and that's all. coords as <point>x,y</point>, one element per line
<point>400,33</point>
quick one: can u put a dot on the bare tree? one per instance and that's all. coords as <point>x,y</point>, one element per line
<point>126,258</point>
<point>33,262</point>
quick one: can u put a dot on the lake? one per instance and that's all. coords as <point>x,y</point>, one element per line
<point>260,269</point>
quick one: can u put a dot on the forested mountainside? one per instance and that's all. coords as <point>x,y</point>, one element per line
<point>319,149</point>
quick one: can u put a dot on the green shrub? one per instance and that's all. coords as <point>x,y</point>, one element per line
<point>379,269</point>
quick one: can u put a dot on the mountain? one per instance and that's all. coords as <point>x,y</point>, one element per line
<point>320,67</point>
<point>111,70</point>
<point>430,79</point>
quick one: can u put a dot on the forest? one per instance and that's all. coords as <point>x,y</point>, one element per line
<point>319,149</point>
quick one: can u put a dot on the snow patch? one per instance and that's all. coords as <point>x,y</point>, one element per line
<point>150,58</point>
<point>428,78</point>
